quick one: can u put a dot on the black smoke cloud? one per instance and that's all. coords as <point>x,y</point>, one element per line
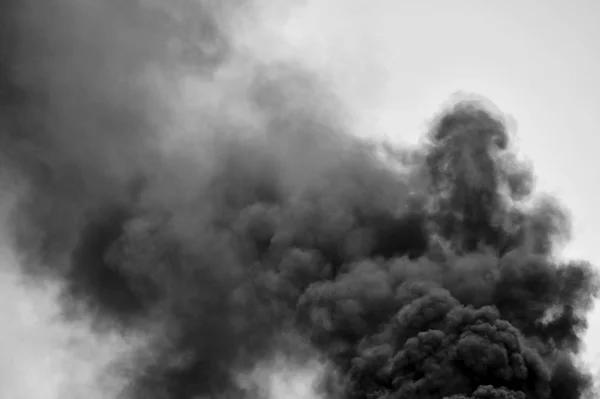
<point>435,279</point>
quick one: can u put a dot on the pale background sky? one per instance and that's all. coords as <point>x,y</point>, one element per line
<point>397,62</point>
<point>539,61</point>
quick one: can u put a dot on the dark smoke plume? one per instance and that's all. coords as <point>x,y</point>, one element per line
<point>288,235</point>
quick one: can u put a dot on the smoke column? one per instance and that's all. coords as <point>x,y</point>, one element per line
<point>188,217</point>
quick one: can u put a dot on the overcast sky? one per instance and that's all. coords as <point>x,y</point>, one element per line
<point>396,62</point>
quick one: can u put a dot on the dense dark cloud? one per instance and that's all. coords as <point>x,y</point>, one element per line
<point>434,280</point>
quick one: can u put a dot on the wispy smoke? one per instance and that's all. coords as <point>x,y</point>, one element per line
<point>212,228</point>
<point>46,357</point>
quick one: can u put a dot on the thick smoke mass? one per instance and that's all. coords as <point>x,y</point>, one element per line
<point>253,226</point>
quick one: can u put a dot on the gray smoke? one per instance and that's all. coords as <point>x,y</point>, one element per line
<point>215,233</point>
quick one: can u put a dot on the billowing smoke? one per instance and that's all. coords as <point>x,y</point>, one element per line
<point>215,208</point>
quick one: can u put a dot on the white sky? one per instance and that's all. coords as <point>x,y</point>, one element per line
<point>396,62</point>
<point>539,61</point>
